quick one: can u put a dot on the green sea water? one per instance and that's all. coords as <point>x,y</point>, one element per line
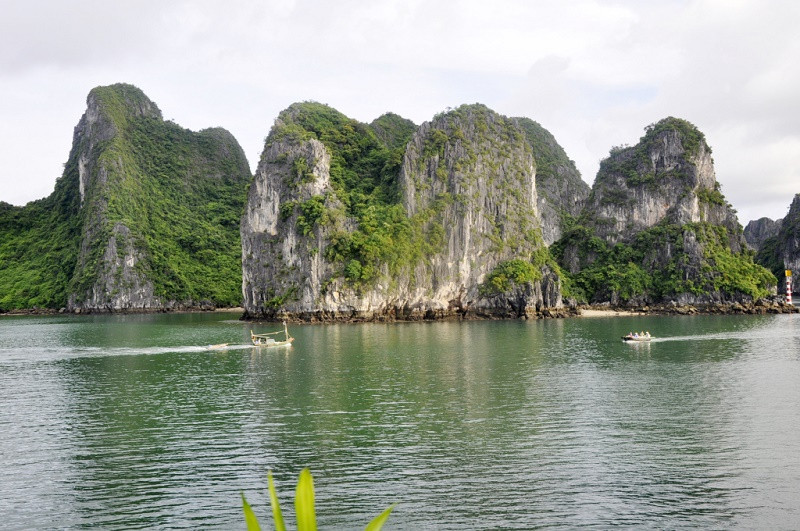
<point>125,422</point>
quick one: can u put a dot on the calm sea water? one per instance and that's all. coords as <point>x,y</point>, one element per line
<point>130,422</point>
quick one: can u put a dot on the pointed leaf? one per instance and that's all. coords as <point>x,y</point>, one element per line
<point>277,516</point>
<point>377,523</point>
<point>304,502</point>
<point>249,516</point>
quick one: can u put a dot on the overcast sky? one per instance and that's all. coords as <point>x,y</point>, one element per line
<point>594,73</point>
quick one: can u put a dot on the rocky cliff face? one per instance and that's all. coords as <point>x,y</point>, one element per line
<point>561,191</point>
<point>104,118</point>
<point>757,231</point>
<point>667,177</point>
<point>283,265</point>
<point>782,250</point>
<point>326,237</point>
<point>657,228</point>
<point>145,216</point>
<point>107,259</point>
<point>160,205</point>
<point>789,238</point>
<point>477,174</point>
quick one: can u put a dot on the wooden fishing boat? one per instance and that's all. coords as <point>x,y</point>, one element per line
<point>631,337</point>
<point>265,340</point>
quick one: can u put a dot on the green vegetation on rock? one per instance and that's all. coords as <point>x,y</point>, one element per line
<point>636,242</point>
<point>393,130</point>
<point>171,196</point>
<point>711,197</point>
<point>549,155</point>
<point>516,273</point>
<point>658,265</point>
<point>770,255</point>
<point>560,190</point>
<point>364,169</point>
<point>633,162</point>
<point>182,194</point>
<point>39,246</point>
<point>367,228</point>
<point>782,251</point>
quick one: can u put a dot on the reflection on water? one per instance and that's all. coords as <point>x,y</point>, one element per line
<point>131,422</point>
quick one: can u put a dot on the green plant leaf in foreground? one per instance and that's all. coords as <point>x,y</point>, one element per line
<point>377,523</point>
<point>249,516</point>
<point>303,505</point>
<point>304,502</point>
<point>277,516</point>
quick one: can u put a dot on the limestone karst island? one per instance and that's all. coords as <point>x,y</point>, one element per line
<point>469,215</point>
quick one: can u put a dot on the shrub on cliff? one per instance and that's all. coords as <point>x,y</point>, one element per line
<point>659,265</point>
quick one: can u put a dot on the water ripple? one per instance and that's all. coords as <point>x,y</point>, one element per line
<point>466,425</point>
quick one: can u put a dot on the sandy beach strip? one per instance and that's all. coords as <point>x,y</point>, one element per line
<point>591,312</point>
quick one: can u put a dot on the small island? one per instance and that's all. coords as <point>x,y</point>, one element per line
<point>471,215</point>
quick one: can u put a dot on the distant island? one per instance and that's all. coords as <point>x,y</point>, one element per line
<point>469,215</point>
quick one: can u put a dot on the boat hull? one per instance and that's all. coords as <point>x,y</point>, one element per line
<point>263,340</point>
<point>271,343</point>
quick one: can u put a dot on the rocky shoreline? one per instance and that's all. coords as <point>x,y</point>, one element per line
<point>133,311</point>
<point>401,316</point>
<point>759,307</point>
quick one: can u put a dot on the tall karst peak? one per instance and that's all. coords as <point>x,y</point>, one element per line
<point>759,230</point>
<point>346,220</point>
<point>668,176</point>
<point>122,101</point>
<point>108,111</point>
<point>144,217</point>
<point>657,228</point>
<point>790,237</point>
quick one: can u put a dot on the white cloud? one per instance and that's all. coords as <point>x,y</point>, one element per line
<point>594,72</point>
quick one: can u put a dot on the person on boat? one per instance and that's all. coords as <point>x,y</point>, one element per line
<point>635,335</point>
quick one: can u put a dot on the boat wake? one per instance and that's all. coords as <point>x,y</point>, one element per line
<point>39,354</point>
<point>743,335</point>
<point>187,349</point>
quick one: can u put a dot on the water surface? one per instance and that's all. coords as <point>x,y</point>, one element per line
<point>131,422</point>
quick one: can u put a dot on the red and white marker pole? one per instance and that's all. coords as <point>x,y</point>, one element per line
<point>788,286</point>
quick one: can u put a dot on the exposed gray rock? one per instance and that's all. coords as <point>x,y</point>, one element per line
<point>781,251</point>
<point>121,174</point>
<point>757,231</point>
<point>468,177</point>
<point>678,238</point>
<point>789,238</point>
<point>488,184</point>
<point>561,192</point>
<point>284,270</point>
<point>531,299</point>
<point>658,180</point>
<point>119,286</point>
